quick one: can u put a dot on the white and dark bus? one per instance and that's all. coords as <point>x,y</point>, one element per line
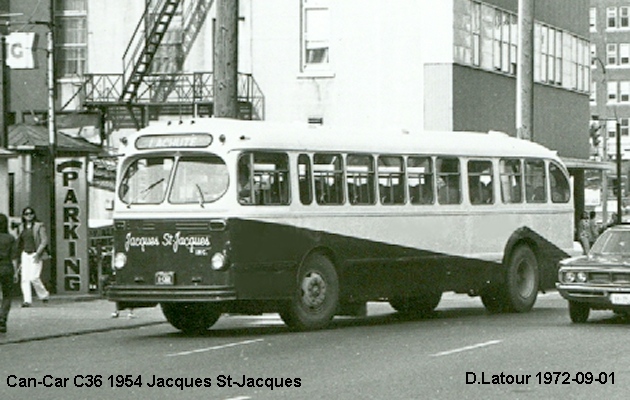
<point>221,216</point>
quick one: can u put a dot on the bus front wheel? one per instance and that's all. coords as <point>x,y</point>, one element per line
<point>522,280</point>
<point>316,297</point>
<point>190,318</point>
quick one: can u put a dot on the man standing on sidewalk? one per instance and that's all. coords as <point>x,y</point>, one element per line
<point>8,269</point>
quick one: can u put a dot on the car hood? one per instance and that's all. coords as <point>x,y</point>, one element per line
<point>597,260</point>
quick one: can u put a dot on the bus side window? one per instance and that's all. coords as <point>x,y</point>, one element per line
<point>268,181</point>
<point>511,180</point>
<point>420,180</point>
<point>448,171</point>
<point>328,178</point>
<point>535,181</point>
<point>391,180</point>
<point>305,179</point>
<point>245,182</point>
<point>480,182</point>
<point>360,178</point>
<point>560,189</point>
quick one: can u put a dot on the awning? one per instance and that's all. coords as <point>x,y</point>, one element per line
<point>580,163</point>
<point>6,153</point>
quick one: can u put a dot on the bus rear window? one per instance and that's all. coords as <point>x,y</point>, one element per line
<point>145,180</point>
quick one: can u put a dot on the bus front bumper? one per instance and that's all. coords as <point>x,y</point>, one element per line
<point>151,295</point>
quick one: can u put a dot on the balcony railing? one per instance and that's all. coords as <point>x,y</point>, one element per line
<point>163,89</point>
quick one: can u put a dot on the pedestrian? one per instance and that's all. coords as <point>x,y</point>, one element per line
<point>593,228</point>
<point>32,247</point>
<point>119,308</point>
<point>584,232</point>
<point>8,269</point>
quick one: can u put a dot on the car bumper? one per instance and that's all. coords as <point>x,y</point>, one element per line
<point>601,297</point>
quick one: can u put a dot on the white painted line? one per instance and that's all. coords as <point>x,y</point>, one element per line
<point>223,346</point>
<point>239,398</point>
<point>474,346</point>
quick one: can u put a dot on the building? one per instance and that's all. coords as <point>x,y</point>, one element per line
<point>609,25</point>
<point>442,65</point>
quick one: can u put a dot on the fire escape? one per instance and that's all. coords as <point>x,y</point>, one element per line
<point>142,92</point>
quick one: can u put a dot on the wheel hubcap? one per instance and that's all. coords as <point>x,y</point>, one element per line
<point>313,290</point>
<point>525,279</point>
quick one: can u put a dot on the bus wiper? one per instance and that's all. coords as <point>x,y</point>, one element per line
<point>143,193</point>
<point>201,199</point>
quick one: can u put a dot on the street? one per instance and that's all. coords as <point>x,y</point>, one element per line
<point>462,352</point>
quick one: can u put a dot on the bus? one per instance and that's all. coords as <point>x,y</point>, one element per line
<point>216,216</point>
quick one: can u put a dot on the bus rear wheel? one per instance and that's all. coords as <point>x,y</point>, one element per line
<point>316,297</point>
<point>417,306</point>
<point>191,318</point>
<point>522,280</point>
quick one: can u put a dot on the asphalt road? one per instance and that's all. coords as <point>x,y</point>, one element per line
<point>461,352</point>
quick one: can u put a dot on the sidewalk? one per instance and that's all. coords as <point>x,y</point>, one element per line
<point>68,316</point>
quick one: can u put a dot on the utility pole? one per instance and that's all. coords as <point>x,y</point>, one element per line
<point>619,183</point>
<point>225,77</point>
<point>4,104</point>
<point>525,71</point>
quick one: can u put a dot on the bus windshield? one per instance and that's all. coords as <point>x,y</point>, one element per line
<point>196,179</point>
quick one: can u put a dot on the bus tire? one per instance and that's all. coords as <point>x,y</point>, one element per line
<point>421,305</point>
<point>494,300</point>
<point>578,312</point>
<point>190,318</point>
<point>522,279</point>
<point>316,297</point>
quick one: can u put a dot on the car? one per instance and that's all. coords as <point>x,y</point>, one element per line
<point>599,280</point>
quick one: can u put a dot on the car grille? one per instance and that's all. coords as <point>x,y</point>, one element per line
<point>609,277</point>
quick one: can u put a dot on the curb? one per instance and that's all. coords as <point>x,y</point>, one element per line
<point>78,333</point>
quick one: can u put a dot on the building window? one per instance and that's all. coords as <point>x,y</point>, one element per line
<point>623,17</point>
<point>611,17</point>
<point>624,128</point>
<point>611,128</point>
<point>624,54</point>
<point>487,37</point>
<point>612,92</point>
<point>70,37</point>
<point>624,92</point>
<point>592,19</point>
<point>611,54</point>
<point>315,34</point>
<point>593,94</point>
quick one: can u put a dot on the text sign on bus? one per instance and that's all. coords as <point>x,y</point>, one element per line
<point>194,140</point>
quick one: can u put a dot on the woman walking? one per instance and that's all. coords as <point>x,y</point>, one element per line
<point>32,244</point>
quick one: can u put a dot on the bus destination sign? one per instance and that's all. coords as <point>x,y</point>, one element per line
<point>195,140</point>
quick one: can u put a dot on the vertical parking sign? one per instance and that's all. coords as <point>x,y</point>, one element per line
<point>19,50</point>
<point>71,225</point>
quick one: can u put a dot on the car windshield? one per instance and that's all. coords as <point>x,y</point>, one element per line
<point>613,242</point>
<point>198,179</point>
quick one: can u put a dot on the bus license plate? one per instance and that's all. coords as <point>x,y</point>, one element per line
<point>620,298</point>
<point>164,278</point>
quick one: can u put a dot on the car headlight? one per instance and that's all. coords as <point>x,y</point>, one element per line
<point>582,276</point>
<point>120,260</point>
<point>218,261</point>
<point>569,277</point>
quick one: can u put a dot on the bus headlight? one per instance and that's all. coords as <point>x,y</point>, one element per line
<point>120,260</point>
<point>582,276</point>
<point>218,261</point>
<point>569,277</point>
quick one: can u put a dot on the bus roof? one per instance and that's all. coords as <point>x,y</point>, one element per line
<point>243,135</point>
